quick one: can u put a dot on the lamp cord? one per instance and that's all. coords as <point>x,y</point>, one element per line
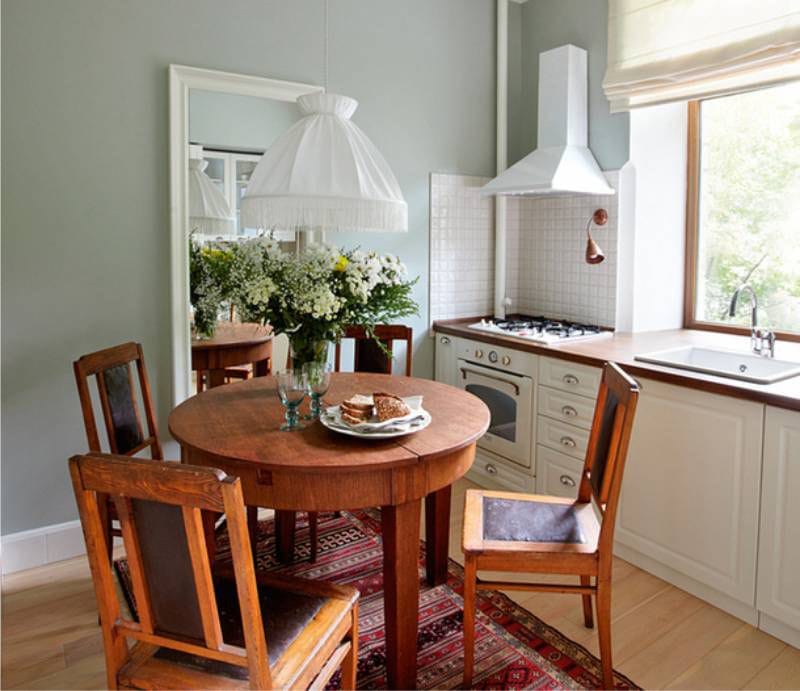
<point>325,73</point>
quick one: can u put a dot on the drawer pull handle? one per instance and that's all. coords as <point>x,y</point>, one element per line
<point>444,340</point>
<point>491,469</point>
<point>569,411</point>
<point>567,481</point>
<point>570,379</point>
<point>569,442</point>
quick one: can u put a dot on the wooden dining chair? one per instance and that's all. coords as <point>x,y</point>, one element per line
<point>112,368</point>
<point>507,531</point>
<point>195,629</point>
<point>368,354</point>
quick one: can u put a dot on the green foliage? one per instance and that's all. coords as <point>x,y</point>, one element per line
<point>750,205</point>
<point>312,298</point>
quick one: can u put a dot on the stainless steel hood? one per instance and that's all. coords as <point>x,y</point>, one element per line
<point>562,163</point>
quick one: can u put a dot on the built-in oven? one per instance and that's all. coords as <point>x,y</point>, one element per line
<point>509,397</point>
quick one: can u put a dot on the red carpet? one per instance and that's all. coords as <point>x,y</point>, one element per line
<point>514,649</point>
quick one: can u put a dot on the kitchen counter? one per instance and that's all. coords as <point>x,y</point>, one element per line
<point>622,347</point>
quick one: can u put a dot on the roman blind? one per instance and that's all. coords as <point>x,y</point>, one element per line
<point>675,50</point>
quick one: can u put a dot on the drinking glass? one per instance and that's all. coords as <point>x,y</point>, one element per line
<point>292,385</point>
<point>318,377</point>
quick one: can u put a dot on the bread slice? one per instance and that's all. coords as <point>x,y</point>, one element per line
<point>388,406</point>
<point>351,420</point>
<point>359,402</point>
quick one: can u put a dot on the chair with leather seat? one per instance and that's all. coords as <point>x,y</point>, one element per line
<point>507,531</point>
<point>368,355</point>
<point>116,389</point>
<point>197,627</point>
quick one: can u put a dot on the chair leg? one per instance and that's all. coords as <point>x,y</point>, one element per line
<point>604,632</point>
<point>313,525</point>
<point>587,604</point>
<point>470,585</point>
<point>350,662</point>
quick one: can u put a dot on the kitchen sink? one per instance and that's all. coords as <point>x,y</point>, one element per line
<point>724,363</point>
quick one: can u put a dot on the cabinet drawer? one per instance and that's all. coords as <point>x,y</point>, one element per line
<point>565,438</point>
<point>567,407</point>
<point>494,472</point>
<point>556,473</point>
<point>569,376</point>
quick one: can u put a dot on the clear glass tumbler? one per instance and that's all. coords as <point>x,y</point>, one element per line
<point>318,378</point>
<point>292,386</point>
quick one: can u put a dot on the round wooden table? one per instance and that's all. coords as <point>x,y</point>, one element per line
<point>235,428</point>
<point>232,345</point>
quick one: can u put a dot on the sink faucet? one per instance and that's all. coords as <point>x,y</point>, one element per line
<point>762,341</point>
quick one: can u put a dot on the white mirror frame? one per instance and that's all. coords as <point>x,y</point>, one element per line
<point>181,80</point>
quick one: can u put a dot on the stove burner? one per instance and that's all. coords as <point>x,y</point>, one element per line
<point>541,329</point>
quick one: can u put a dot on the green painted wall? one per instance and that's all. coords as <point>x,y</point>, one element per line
<point>546,24</point>
<point>85,242</point>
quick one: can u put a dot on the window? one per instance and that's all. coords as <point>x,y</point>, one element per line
<point>743,209</point>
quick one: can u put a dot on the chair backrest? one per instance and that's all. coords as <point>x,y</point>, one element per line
<point>368,355</point>
<point>115,385</point>
<point>607,450</point>
<point>159,506</point>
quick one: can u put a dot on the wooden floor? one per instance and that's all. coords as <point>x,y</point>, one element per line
<point>663,637</point>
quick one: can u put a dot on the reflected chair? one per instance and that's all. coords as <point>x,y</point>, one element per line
<point>119,402</point>
<point>507,531</point>
<point>196,629</point>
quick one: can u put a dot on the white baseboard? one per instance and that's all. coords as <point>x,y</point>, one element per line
<point>31,548</point>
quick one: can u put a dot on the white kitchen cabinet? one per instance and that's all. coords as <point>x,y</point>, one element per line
<point>446,361</point>
<point>557,473</point>
<point>778,597</point>
<point>689,509</point>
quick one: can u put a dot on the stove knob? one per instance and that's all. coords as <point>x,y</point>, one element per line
<point>492,356</point>
<point>479,354</point>
<point>506,360</point>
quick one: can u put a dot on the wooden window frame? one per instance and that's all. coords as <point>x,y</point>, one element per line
<point>693,142</point>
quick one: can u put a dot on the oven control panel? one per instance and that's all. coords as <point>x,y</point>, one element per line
<point>498,357</point>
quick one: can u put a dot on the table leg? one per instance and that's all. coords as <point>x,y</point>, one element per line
<point>400,526</point>
<point>216,377</point>
<point>261,368</point>
<point>252,528</point>
<point>210,530</point>
<point>437,535</point>
<point>284,535</point>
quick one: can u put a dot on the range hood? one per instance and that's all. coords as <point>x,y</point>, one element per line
<point>562,163</point>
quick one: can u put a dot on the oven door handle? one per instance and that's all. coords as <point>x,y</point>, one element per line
<point>468,370</point>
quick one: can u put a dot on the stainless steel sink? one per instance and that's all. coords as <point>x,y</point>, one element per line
<point>724,363</point>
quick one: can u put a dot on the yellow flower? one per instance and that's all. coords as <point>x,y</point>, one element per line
<point>341,265</point>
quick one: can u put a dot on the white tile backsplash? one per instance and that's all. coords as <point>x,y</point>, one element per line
<point>546,242</point>
<point>462,247</point>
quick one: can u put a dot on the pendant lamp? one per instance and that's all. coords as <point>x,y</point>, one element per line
<point>209,211</point>
<point>324,174</point>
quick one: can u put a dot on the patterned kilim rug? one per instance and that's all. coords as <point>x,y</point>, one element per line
<point>514,649</point>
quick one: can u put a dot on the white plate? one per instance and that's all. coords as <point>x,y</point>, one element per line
<point>331,418</point>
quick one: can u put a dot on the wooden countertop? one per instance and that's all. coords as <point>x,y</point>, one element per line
<point>622,347</point>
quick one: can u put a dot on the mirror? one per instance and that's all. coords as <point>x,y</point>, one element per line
<point>220,125</point>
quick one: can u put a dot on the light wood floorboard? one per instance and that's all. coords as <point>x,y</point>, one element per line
<point>662,636</point>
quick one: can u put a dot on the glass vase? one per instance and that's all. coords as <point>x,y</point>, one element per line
<point>307,351</point>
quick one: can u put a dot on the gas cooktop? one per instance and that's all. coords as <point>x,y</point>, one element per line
<point>541,329</point>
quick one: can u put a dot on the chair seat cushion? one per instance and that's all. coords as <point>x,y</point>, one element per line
<point>285,615</point>
<point>530,521</point>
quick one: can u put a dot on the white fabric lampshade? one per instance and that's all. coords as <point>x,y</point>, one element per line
<point>209,211</point>
<point>323,174</point>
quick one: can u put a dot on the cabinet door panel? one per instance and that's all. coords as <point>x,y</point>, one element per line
<point>445,363</point>
<point>690,496</point>
<point>557,473</point>
<point>779,544</point>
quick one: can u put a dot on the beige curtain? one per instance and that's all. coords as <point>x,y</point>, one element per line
<point>675,50</point>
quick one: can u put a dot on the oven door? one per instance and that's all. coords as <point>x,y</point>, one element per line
<point>509,397</point>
